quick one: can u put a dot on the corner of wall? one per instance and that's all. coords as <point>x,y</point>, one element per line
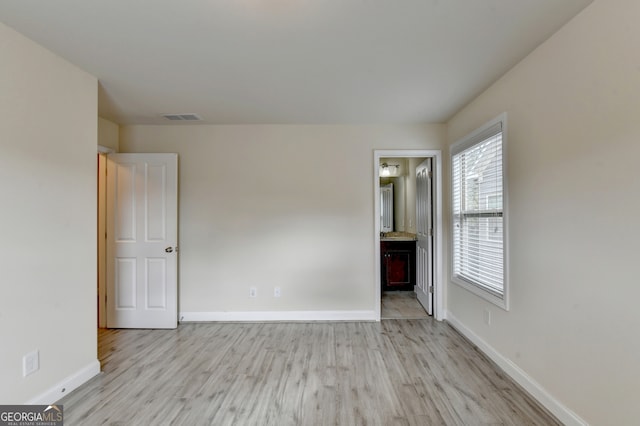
<point>108,134</point>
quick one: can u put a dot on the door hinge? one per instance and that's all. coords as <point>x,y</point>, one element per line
<point>430,289</point>
<point>431,232</point>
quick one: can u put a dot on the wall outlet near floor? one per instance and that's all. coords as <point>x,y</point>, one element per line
<point>487,316</point>
<point>30,363</point>
<point>276,292</point>
<point>253,292</point>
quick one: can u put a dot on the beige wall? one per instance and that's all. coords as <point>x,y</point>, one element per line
<point>574,195</point>
<point>48,217</point>
<point>410,208</point>
<point>287,206</point>
<point>108,134</point>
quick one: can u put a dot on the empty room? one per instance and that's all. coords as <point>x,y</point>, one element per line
<point>279,212</point>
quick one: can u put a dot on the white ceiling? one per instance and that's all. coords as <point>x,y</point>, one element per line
<point>289,61</point>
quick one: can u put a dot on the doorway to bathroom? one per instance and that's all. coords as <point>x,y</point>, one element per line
<point>420,220</point>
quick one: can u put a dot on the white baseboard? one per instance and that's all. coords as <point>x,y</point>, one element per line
<point>261,316</point>
<point>67,385</point>
<point>562,413</point>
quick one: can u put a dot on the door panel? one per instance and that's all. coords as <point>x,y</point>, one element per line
<point>155,219</point>
<point>424,231</point>
<point>125,284</point>
<point>156,281</point>
<point>124,201</point>
<point>141,227</point>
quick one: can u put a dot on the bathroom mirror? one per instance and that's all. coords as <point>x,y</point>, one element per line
<point>402,175</point>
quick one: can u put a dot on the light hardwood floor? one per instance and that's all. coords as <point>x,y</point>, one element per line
<point>401,305</point>
<point>396,372</point>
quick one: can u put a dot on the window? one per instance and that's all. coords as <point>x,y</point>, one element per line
<point>479,255</point>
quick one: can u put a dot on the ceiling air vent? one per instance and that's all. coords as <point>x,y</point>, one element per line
<point>182,117</point>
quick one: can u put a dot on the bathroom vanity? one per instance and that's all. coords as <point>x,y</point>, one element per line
<point>398,258</point>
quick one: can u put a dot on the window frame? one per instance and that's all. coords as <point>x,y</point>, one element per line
<point>477,137</point>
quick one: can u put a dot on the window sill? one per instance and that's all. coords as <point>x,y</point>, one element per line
<point>501,302</point>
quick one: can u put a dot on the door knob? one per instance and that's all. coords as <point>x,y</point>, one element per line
<point>169,249</point>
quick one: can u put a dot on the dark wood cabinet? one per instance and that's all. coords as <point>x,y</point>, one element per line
<point>398,260</point>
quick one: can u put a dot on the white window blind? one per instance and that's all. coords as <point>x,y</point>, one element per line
<point>478,217</point>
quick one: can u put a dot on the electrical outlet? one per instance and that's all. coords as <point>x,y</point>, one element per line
<point>253,292</point>
<point>487,316</point>
<point>276,292</point>
<point>30,363</point>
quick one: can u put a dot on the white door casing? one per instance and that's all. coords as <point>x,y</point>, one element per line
<point>102,242</point>
<point>142,237</point>
<point>424,231</point>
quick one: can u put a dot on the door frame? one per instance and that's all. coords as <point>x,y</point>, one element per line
<point>101,195</point>
<point>438,253</point>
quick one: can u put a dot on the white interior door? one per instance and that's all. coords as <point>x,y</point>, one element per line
<point>142,237</point>
<point>424,230</point>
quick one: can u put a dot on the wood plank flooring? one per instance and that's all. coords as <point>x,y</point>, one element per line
<point>401,305</point>
<point>396,372</point>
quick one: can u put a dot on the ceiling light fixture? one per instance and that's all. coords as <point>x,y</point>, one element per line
<point>386,169</point>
